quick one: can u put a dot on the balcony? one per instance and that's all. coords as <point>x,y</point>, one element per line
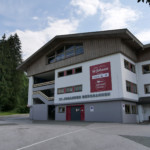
<point>43,84</point>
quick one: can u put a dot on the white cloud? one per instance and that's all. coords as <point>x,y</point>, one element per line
<point>88,7</point>
<point>35,18</point>
<point>116,16</point>
<point>144,36</point>
<point>112,14</point>
<point>33,40</point>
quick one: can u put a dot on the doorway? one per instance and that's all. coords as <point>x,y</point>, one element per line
<point>51,112</point>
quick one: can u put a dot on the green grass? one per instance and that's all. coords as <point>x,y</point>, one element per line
<point>8,113</point>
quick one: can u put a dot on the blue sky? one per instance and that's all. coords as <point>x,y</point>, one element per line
<point>38,21</point>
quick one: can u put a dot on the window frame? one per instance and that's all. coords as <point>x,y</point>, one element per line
<point>63,109</point>
<point>145,85</point>
<point>76,87</point>
<point>134,111</point>
<point>129,109</point>
<point>131,87</point>
<point>143,69</point>
<point>129,66</point>
<point>60,92</point>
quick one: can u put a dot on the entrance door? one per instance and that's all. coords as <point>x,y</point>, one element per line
<point>75,113</point>
<point>51,112</point>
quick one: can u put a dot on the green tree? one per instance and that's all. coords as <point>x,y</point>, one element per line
<point>13,83</point>
<point>147,1</point>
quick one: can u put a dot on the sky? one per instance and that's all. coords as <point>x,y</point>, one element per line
<point>38,21</point>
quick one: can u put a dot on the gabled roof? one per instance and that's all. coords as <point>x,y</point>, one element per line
<point>124,34</point>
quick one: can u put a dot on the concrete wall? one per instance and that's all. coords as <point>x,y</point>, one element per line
<point>142,78</point>
<point>60,116</point>
<point>104,112</point>
<point>128,118</point>
<point>129,76</point>
<point>40,112</point>
<point>84,79</point>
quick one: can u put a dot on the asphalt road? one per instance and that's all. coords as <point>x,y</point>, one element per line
<point>18,132</point>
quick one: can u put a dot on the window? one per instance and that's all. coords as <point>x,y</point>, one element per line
<point>127,109</point>
<point>61,109</point>
<point>61,91</point>
<point>70,51</point>
<point>78,70</point>
<point>61,74</point>
<point>147,88</point>
<point>131,87</point>
<point>129,66</point>
<point>134,109</point>
<point>66,52</point>
<point>79,49</point>
<point>69,89</point>
<point>78,88</point>
<point>69,72</point>
<point>146,69</point>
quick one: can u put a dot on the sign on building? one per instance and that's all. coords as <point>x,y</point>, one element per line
<point>100,77</point>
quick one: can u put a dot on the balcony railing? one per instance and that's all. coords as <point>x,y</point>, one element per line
<point>43,84</point>
<point>43,95</point>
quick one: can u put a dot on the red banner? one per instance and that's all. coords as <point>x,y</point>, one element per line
<point>100,77</point>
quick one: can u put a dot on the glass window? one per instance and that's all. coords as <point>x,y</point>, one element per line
<point>131,87</point>
<point>78,88</point>
<point>78,70</point>
<point>69,89</point>
<point>61,91</point>
<point>79,50</point>
<point>129,66</point>
<point>69,72</point>
<point>134,109</point>
<point>60,57</point>
<point>61,109</point>
<point>146,69</point>
<point>128,86</point>
<point>59,51</point>
<point>51,59</point>
<point>127,109</point>
<point>69,53</point>
<point>147,88</point>
<point>61,74</point>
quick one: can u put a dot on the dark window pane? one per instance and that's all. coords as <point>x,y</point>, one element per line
<point>127,109</point>
<point>69,72</point>
<point>69,53</point>
<point>147,88</point>
<point>79,50</point>
<point>78,88</point>
<point>146,69</point>
<point>59,51</point>
<point>61,74</point>
<point>60,57</point>
<point>69,47</point>
<point>51,59</point>
<point>78,70</point>
<point>69,89</point>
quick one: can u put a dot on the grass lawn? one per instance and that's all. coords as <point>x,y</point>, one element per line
<point>8,113</point>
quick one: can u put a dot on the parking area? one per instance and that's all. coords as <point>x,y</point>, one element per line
<point>18,132</point>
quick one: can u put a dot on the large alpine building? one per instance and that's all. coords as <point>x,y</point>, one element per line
<point>96,76</point>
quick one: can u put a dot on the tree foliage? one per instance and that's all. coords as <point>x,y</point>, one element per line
<point>147,1</point>
<point>13,83</point>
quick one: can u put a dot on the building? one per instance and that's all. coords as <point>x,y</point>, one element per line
<point>98,76</point>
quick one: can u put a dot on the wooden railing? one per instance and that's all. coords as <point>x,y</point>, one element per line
<point>43,84</point>
<point>43,95</point>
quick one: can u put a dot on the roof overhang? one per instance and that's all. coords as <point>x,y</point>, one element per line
<point>144,100</point>
<point>123,34</point>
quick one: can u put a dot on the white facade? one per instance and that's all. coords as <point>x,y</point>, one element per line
<point>119,75</point>
<point>142,79</point>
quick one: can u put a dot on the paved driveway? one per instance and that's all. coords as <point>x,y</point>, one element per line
<point>19,133</point>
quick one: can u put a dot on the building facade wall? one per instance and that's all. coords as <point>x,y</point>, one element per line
<point>142,78</point>
<point>84,80</point>
<point>128,75</point>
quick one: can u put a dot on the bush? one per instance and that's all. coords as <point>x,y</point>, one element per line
<point>22,109</point>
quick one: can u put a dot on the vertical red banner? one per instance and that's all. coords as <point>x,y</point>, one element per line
<point>100,77</point>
